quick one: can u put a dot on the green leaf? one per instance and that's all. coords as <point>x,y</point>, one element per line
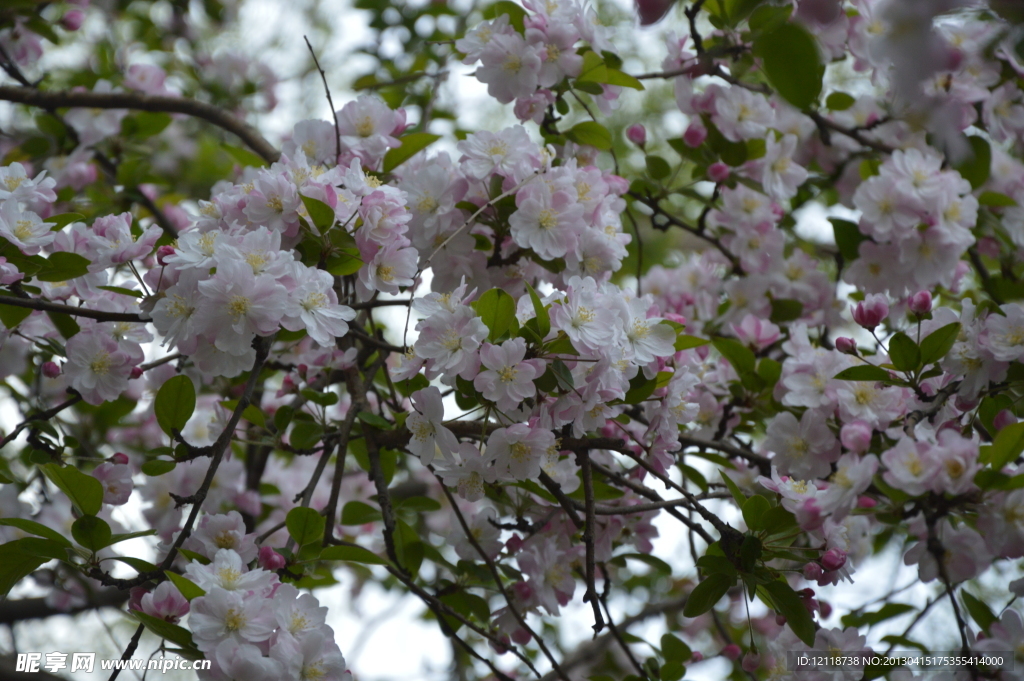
<point>938,343</point>
<point>737,494</point>
<point>839,101</point>
<point>886,612</point>
<point>592,134</point>
<point>122,291</point>
<point>792,62</point>
<point>305,435</point>
<point>164,629</point>
<point>981,613</point>
<point>657,167</point>
<point>497,310</point>
<point>91,532</point>
<point>640,388</point>
<point>903,351</point>
<point>62,266</point>
<point>244,157</point>
<point>65,323</point>
<point>864,373</point>
<point>175,402</point>
<point>186,586</point>
<point>1007,446</point>
<point>516,14</point>
<point>754,510</point>
<point>992,199</point>
<point>84,491</point>
<point>848,238</point>
<point>786,310</point>
<point>738,355</point>
<point>593,70</point>
<point>707,593</point>
<point>408,547</point>
<point>375,420</point>
<point>158,467</point>
<point>324,399</point>
<point>125,536</point>
<point>344,262</point>
<point>684,342</point>
<point>38,529</point>
<point>977,168</point>
<point>674,650</point>
<point>352,554</point>
<point>791,606</point>
<point>622,79</point>
<point>63,220</point>
<point>11,316</point>
<point>359,513</point>
<point>411,143</point>
<point>672,671</point>
<point>540,312</point>
<point>16,563</point>
<point>320,213</point>
<point>304,525</point>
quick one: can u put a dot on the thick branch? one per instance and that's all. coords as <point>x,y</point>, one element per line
<point>143,102</point>
<point>12,611</point>
<point>47,306</point>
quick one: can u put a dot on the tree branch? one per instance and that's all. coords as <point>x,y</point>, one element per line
<point>143,102</point>
<point>47,306</point>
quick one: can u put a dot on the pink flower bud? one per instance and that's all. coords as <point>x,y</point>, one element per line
<point>780,620</point>
<point>72,19</point>
<point>871,311</point>
<point>1003,419</point>
<point>964,404</point>
<point>695,134</point>
<point>51,369</point>
<point>718,172</point>
<point>988,247</point>
<point>847,346</point>
<point>833,559</point>
<point>697,656</point>
<point>119,458</point>
<point>135,595</point>
<point>269,559</point>
<point>825,609</point>
<point>637,134</point>
<point>856,436</point>
<point>136,372</point>
<point>751,661</point>
<point>812,572</point>
<point>866,502</point>
<point>163,253</point>
<point>732,651</point>
<point>807,592</point>
<point>652,11</point>
<point>920,303</point>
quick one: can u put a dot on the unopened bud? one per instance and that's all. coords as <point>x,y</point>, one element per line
<point>72,19</point>
<point>1003,419</point>
<point>695,134</point>
<point>697,656</point>
<point>119,458</point>
<point>856,436</point>
<point>833,559</point>
<point>866,502</point>
<point>136,372</point>
<point>751,661</point>
<point>718,172</point>
<point>812,572</point>
<point>920,303</point>
<point>847,346</point>
<point>964,404</point>
<point>269,559</point>
<point>163,253</point>
<point>780,620</point>
<point>825,609</point>
<point>870,312</point>
<point>637,134</point>
<point>51,369</point>
<point>732,651</point>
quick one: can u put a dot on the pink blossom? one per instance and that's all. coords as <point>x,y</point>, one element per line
<point>117,482</point>
<point>756,332</point>
<point>165,602</point>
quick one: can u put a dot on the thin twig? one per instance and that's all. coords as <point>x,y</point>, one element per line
<point>330,101</point>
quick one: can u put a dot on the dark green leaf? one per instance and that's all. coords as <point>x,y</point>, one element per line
<point>592,134</point>
<point>684,342</point>
<point>411,143</point>
<point>1007,446</point>
<point>305,435</point>
<point>657,167</point>
<point>848,238</point>
<point>343,262</point>
<point>887,611</point>
<point>754,510</point>
<point>65,323</point>
<point>497,310</point>
<point>938,343</point>
<point>903,351</point>
<point>792,62</point>
<point>739,355</point>
<point>64,219</point>
<point>84,491</point>
<point>172,632</point>
<point>186,586</point>
<point>864,373</point>
<point>839,101</point>
<point>91,532</point>
<point>38,529</point>
<point>175,402</point>
<point>981,613</point>
<point>244,157</point>
<point>786,310</point>
<point>352,554</point>
<point>707,593</point>
<point>674,650</point>
<point>62,266</point>
<point>516,14</point>
<point>304,525</point>
<point>791,606</point>
<point>359,513</point>
<point>11,316</point>
<point>320,213</point>
<point>993,199</point>
<point>977,168</point>
<point>16,563</point>
<point>540,312</point>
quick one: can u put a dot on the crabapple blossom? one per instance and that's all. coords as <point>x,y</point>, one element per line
<point>428,436</point>
<point>508,377</point>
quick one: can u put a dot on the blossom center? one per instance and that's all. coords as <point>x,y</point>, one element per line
<point>234,620</point>
<point>239,306</point>
<point>101,363</point>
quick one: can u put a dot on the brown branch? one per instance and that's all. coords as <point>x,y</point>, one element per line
<point>583,459</point>
<point>567,503</point>
<point>12,611</point>
<point>144,102</point>
<point>330,101</point>
<point>42,416</point>
<point>47,306</point>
